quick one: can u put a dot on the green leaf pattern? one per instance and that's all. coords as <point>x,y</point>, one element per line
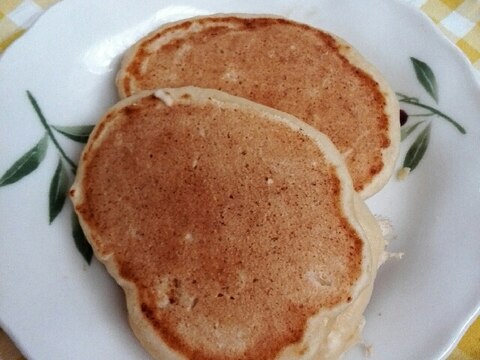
<point>26,164</point>
<point>76,133</point>
<point>60,180</point>
<point>81,242</point>
<point>426,77</point>
<point>58,190</point>
<point>418,148</point>
<point>407,130</point>
<point>44,123</point>
<point>434,111</point>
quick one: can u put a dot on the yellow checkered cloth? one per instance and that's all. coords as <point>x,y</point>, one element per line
<point>16,16</point>
<point>459,20</point>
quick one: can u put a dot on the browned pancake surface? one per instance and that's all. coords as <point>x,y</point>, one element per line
<point>228,224</point>
<point>288,66</point>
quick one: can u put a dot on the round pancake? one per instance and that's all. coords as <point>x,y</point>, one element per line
<point>286,65</point>
<point>233,228</point>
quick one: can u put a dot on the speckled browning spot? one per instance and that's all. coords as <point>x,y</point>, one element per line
<point>255,59</point>
<point>131,110</point>
<point>206,245</point>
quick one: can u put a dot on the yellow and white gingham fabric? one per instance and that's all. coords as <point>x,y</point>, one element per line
<point>16,16</point>
<point>459,20</point>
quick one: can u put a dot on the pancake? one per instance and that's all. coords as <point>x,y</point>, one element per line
<point>283,64</point>
<point>233,228</point>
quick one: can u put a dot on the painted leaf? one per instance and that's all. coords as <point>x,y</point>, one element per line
<point>426,77</point>
<point>27,163</point>
<point>459,127</point>
<point>58,191</point>
<point>80,240</point>
<point>406,97</point>
<point>407,130</point>
<point>76,133</point>
<point>418,148</point>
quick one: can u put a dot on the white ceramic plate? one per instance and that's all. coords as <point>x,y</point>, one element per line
<point>55,306</point>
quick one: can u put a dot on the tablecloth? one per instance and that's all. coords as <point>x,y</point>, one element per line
<point>459,20</point>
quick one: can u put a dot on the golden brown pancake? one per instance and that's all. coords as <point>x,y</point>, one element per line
<point>286,65</point>
<point>233,228</point>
